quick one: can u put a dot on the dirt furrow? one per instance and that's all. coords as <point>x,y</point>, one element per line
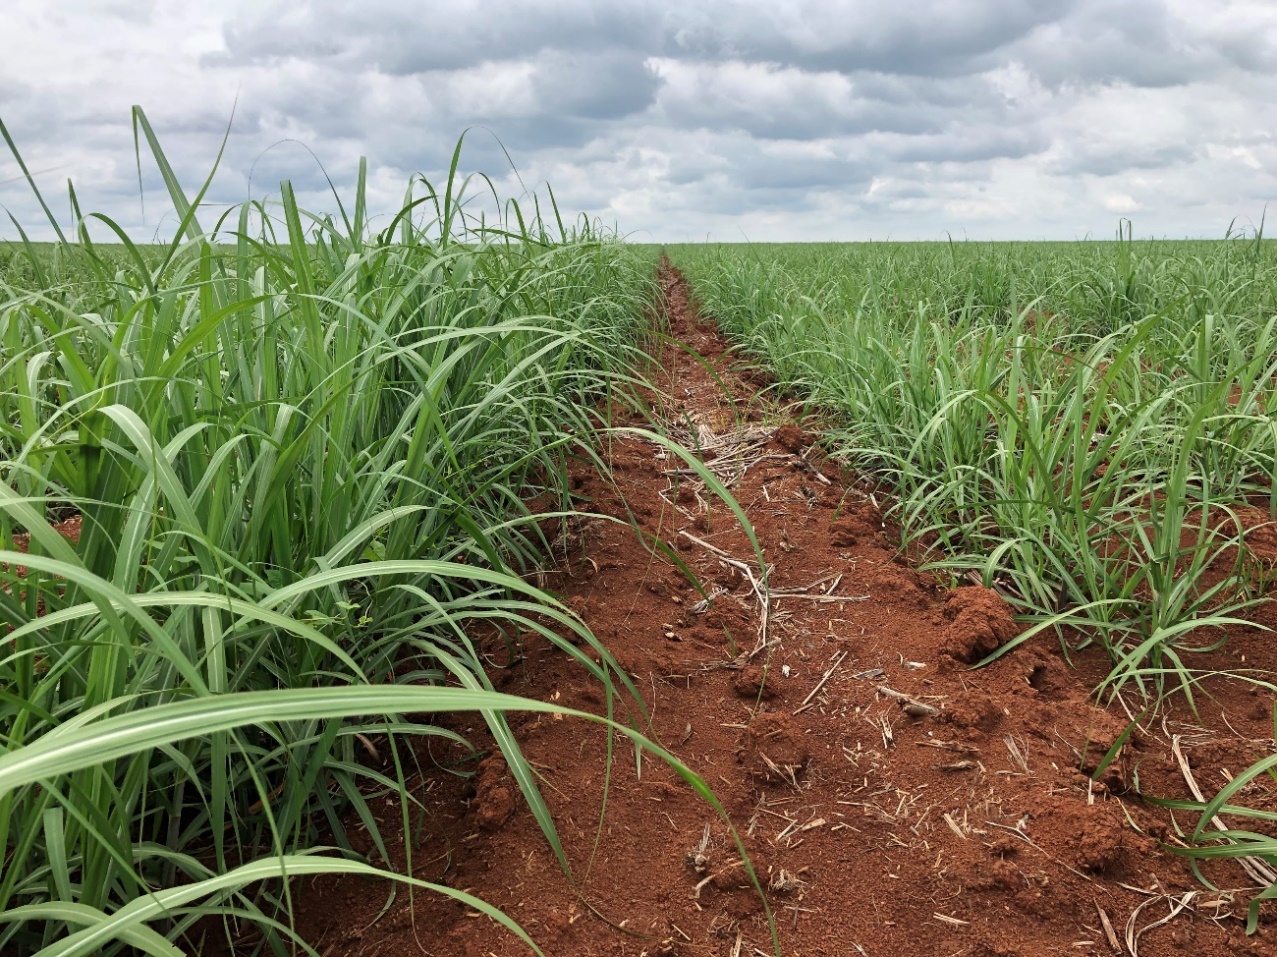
<point>893,801</point>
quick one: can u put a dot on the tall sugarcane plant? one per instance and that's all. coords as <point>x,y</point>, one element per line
<point>300,450</point>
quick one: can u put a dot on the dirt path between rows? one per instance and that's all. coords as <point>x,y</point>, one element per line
<point>946,815</point>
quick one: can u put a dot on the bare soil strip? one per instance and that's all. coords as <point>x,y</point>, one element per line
<point>895,802</point>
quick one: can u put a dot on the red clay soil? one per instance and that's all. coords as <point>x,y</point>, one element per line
<point>68,528</point>
<point>948,814</point>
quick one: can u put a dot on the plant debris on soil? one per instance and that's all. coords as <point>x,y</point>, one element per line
<point>892,800</point>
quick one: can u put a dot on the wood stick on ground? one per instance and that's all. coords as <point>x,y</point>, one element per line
<point>909,705</point>
<point>1133,936</point>
<point>949,746</point>
<point>1109,932</point>
<point>718,873</point>
<point>761,591</point>
<point>823,599</point>
<point>821,683</point>
<point>1256,869</point>
<point>803,589</point>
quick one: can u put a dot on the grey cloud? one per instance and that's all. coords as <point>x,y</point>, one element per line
<point>775,103</point>
<point>809,118</point>
<point>724,197</point>
<point>971,145</point>
<point>1098,159</point>
<point>804,174</point>
<point>594,86</point>
<point>400,39</point>
<point>1145,43</point>
<point>532,103</point>
<point>928,37</point>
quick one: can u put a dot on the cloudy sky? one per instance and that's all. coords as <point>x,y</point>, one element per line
<point>670,119</point>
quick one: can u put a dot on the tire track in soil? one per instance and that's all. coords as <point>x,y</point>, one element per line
<point>881,829</point>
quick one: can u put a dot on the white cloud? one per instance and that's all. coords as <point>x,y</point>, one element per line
<point>1121,203</point>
